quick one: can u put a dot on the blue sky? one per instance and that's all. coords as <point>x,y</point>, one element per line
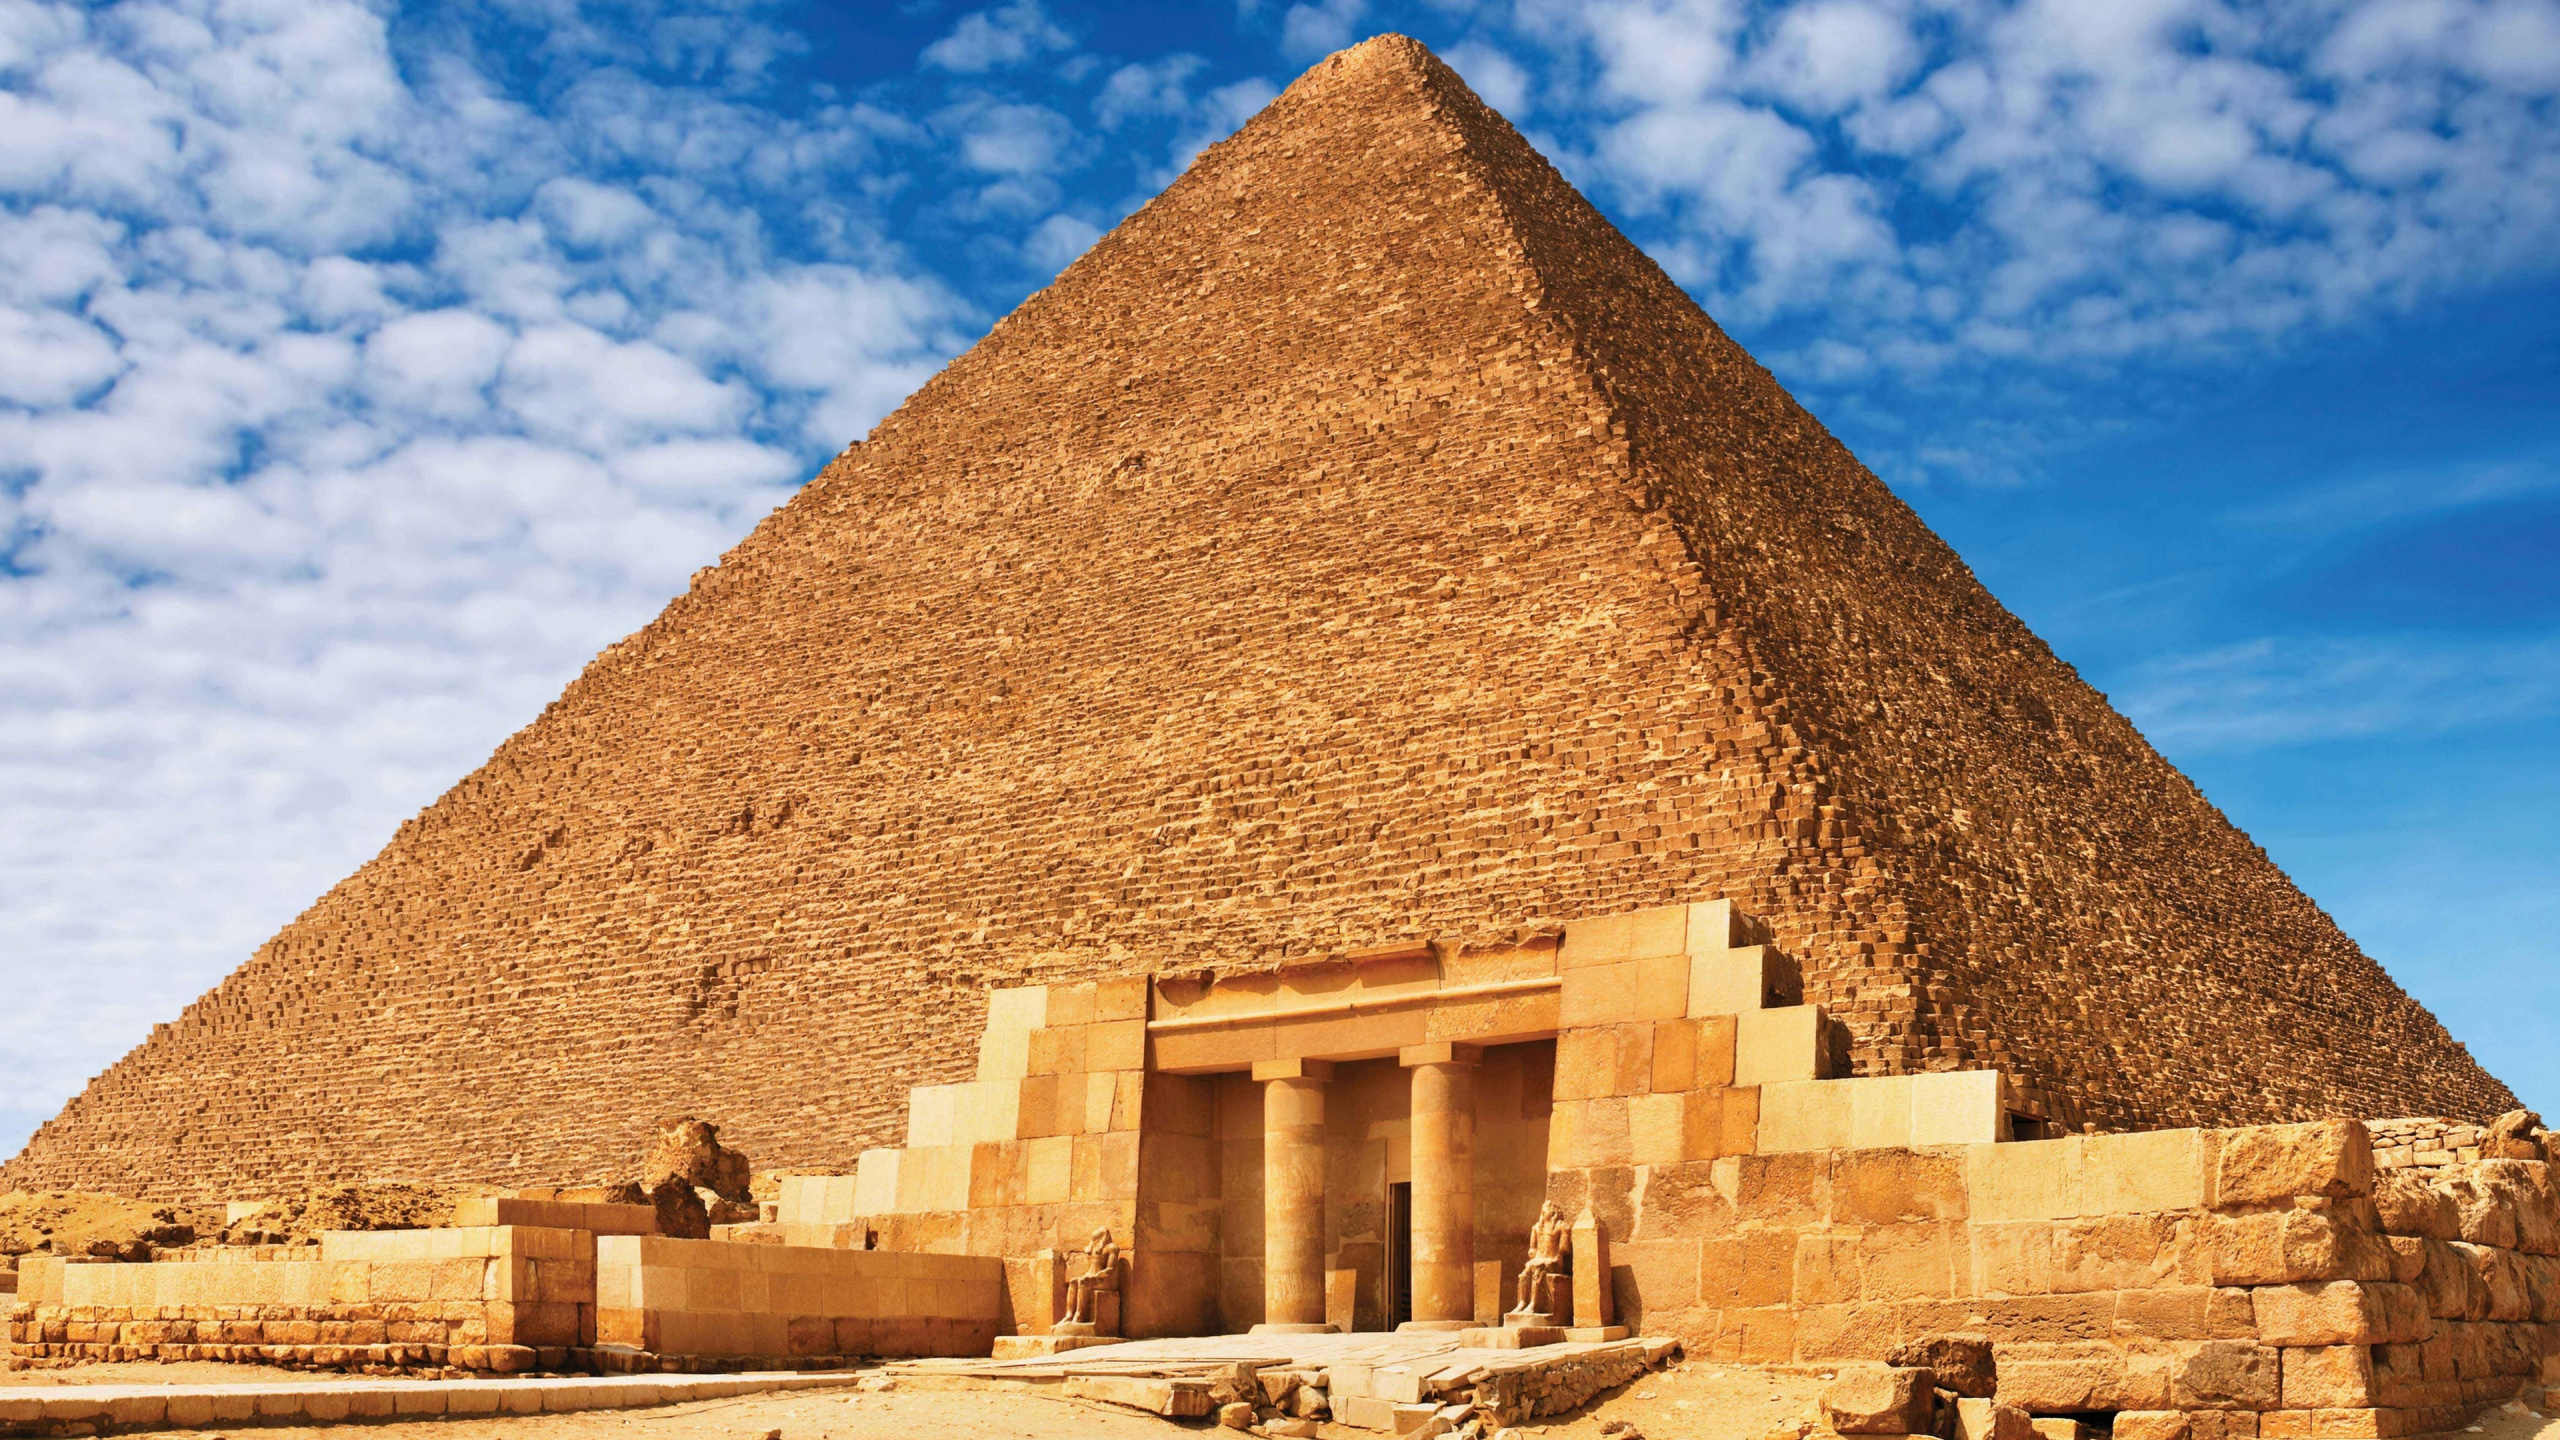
<point>364,369</point>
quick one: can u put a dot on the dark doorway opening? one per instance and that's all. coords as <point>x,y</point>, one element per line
<point>1399,1253</point>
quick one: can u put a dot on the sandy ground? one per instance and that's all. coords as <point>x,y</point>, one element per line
<point>1689,1401</point>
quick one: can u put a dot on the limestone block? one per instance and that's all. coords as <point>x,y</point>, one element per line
<point>1634,1059</point>
<point>1116,1045</point>
<point>1597,995</point>
<point>1870,1399</point>
<point>1720,925</point>
<point>2284,1246</point>
<point>1586,1133</point>
<point>1070,1005</point>
<point>2228,1375</point>
<point>1674,1057</point>
<point>2053,1378</point>
<point>932,1115</point>
<point>1956,1107</point>
<point>2182,1312</point>
<point>1004,1047</point>
<point>2156,1170</point>
<point>2024,1180</point>
<point>2152,1425</point>
<point>1675,1128</point>
<point>1801,1115</point>
<point>1960,1363</point>
<point>1733,982</point>
<point>1879,1111</point>
<point>985,1112</point>
<point>2268,1163</point>
<point>2410,1204</point>
<point>2332,1377</point>
<point>1741,1120</point>
<point>1122,997</point>
<point>1981,1419</point>
<point>2341,1312</point>
<point>1778,1045</point>
<point>1586,1063</point>
<point>1633,935</point>
<point>1711,1048</point>
<point>1059,1049</point>
<point>875,1182</point>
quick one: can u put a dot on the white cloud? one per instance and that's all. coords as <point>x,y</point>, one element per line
<point>1828,56</point>
<point>1012,139</point>
<point>988,39</point>
<point>2279,691</point>
<point>1493,75</point>
<point>2061,182</point>
<point>1146,89</point>
<point>1059,239</point>
<point>292,533</point>
<point>1311,31</point>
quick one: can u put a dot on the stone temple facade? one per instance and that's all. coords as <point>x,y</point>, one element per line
<point>1355,765</point>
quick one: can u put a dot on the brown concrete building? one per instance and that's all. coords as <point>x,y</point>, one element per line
<point>1362,550</point>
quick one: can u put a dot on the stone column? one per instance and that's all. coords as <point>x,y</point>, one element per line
<point>1444,1186</point>
<point>1292,1195</point>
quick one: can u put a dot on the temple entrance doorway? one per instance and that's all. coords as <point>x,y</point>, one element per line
<point>1399,1269</point>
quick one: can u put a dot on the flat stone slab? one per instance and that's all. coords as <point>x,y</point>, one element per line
<point>1396,1366</point>
<point>26,1410</point>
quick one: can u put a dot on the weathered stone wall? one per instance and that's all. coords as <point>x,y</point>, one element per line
<point>2264,1273</point>
<point>500,1298</point>
<point>1362,541</point>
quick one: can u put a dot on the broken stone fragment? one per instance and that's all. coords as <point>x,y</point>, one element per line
<point>1961,1363</point>
<point>2516,1135</point>
<point>1979,1419</point>
<point>689,1149</point>
<point>681,1213</point>
<point>1880,1400</point>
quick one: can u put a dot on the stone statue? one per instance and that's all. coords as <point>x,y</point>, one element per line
<point>1085,1291</point>
<point>1545,1282</point>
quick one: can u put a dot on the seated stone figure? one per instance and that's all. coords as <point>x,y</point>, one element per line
<point>1546,1282</point>
<point>1085,1292</point>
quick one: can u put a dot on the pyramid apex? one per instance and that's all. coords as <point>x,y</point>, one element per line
<point>1381,58</point>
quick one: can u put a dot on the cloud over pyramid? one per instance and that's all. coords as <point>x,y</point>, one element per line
<point>1364,542</point>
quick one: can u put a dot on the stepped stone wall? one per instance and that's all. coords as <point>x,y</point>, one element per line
<point>1362,542</point>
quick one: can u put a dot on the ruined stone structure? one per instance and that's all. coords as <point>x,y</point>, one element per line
<point>1512,1156</point>
<point>1362,549</point>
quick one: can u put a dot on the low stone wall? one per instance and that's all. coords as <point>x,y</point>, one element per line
<point>2262,1274</point>
<point>495,1298</point>
<point>2428,1141</point>
<point>659,1297</point>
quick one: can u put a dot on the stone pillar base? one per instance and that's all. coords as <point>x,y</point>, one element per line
<point>1293,1330</point>
<point>1029,1347</point>
<point>1436,1325</point>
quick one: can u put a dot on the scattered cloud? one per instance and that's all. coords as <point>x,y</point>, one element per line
<point>346,407</point>
<point>1313,30</point>
<point>993,39</point>
<point>2059,183</point>
<point>2292,690</point>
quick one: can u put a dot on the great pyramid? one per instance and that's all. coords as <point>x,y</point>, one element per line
<point>1362,542</point>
